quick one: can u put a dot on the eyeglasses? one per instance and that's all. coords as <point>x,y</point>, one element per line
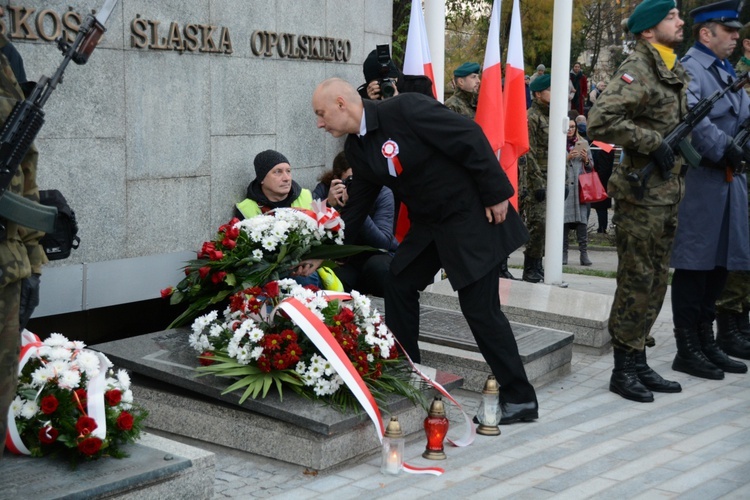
<point>572,127</point>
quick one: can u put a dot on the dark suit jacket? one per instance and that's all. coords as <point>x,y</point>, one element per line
<point>450,174</point>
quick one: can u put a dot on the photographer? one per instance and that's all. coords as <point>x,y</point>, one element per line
<point>378,69</point>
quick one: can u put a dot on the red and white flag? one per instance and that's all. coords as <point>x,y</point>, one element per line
<point>489,114</point>
<point>417,60</point>
<point>514,104</point>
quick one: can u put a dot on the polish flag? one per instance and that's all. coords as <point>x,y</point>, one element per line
<point>417,60</point>
<point>489,114</point>
<point>514,104</point>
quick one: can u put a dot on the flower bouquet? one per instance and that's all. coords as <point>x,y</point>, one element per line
<point>255,251</point>
<point>259,344</point>
<point>69,402</point>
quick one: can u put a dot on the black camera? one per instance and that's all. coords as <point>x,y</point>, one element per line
<point>348,181</point>
<point>387,85</point>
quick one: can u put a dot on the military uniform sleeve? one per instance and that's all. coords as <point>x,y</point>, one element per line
<point>535,178</point>
<point>612,118</point>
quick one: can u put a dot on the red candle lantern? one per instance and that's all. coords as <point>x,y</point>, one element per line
<point>436,428</point>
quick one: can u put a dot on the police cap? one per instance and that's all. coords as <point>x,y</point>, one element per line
<point>466,69</point>
<point>726,12</point>
<point>648,14</point>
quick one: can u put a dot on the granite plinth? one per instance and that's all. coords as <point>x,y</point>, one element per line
<point>295,430</point>
<point>156,468</point>
<point>584,314</point>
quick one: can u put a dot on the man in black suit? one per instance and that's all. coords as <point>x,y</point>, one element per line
<point>447,175</point>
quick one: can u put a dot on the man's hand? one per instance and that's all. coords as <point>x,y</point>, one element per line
<point>496,213</point>
<point>663,156</point>
<point>307,267</point>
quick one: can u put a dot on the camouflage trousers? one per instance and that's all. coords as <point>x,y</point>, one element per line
<point>736,294</point>
<point>644,237</point>
<point>536,217</point>
<point>10,340</point>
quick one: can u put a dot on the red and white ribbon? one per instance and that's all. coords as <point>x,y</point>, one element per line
<point>30,344</point>
<point>320,335</point>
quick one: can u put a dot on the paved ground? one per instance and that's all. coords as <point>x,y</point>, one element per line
<point>588,443</point>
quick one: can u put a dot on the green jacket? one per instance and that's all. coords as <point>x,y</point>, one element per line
<point>20,252</point>
<point>462,102</point>
<point>536,158</point>
<point>249,208</point>
<point>642,103</point>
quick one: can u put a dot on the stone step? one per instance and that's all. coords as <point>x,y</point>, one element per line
<point>155,468</point>
<point>584,314</point>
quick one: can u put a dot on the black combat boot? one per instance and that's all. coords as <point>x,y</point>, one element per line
<point>583,244</point>
<point>650,378</point>
<point>729,337</point>
<point>624,380</point>
<point>690,359</point>
<point>504,271</point>
<point>530,270</point>
<point>714,353</point>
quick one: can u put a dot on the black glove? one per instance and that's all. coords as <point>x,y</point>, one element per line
<point>540,194</point>
<point>734,156</point>
<point>746,153</point>
<point>663,156</point>
<point>29,299</point>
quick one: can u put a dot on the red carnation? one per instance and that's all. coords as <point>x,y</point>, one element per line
<point>293,352</point>
<point>272,342</point>
<point>206,362</point>
<point>236,302</point>
<point>167,292</point>
<point>254,305</point>
<point>271,289</point>
<point>113,397</point>
<point>85,425</point>
<point>203,272</point>
<point>254,291</point>
<point>49,404</point>
<point>48,435</point>
<point>125,421</point>
<point>90,446</point>
<point>217,278</point>
<point>280,361</point>
<point>344,316</point>
<point>264,364</point>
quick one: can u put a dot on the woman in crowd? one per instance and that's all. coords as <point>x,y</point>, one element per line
<point>579,160</point>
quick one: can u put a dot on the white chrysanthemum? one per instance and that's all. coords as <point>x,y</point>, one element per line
<point>77,345</point>
<point>280,229</point>
<point>59,353</point>
<point>300,367</point>
<point>123,378</point>
<point>16,406</point>
<point>199,342</point>
<point>258,254</point>
<point>127,396</point>
<point>215,330</point>
<point>58,366</point>
<point>202,322</point>
<point>256,353</point>
<point>328,369</point>
<point>269,243</point>
<point>69,379</point>
<point>370,358</point>
<point>30,408</point>
<point>255,335</point>
<point>56,340</point>
<point>88,362</point>
<point>41,376</point>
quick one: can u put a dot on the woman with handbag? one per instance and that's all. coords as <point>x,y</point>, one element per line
<point>579,161</point>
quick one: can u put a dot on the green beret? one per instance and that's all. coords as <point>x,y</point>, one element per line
<point>648,14</point>
<point>466,69</point>
<point>540,83</point>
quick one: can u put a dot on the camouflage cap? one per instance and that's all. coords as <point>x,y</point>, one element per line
<point>466,69</point>
<point>540,83</point>
<point>648,14</point>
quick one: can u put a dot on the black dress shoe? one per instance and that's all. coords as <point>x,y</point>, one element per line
<point>519,412</point>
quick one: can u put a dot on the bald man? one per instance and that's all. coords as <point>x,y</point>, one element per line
<point>442,167</point>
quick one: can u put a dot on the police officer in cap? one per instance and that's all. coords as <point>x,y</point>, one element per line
<point>466,93</point>
<point>712,231</point>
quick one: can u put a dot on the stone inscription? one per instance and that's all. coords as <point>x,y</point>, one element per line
<point>30,23</point>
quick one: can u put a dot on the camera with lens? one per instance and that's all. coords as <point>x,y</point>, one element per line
<point>387,85</point>
<point>348,181</point>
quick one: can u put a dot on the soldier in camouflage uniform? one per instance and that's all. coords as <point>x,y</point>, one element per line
<point>733,305</point>
<point>466,84</point>
<point>643,102</point>
<point>535,179</point>
<point>20,255</point>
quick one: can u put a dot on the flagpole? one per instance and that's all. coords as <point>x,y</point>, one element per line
<point>434,18</point>
<point>562,21</point>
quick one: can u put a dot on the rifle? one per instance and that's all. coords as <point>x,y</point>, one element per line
<point>676,139</point>
<point>27,117</point>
